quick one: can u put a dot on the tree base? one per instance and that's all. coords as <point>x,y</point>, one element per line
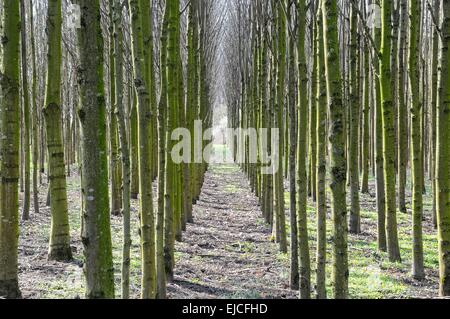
<point>169,277</point>
<point>9,289</point>
<point>116,213</point>
<point>418,275</point>
<point>60,254</point>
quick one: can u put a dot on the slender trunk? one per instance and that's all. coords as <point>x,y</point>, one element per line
<point>34,116</point>
<point>278,177</point>
<point>119,108</point>
<point>388,134</point>
<point>9,148</point>
<point>59,247</point>
<point>355,218</point>
<point>321,164</point>
<point>95,216</point>
<point>26,115</point>
<point>139,10</point>
<point>416,139</point>
<point>443,153</point>
<point>294,275</point>
<point>402,110</point>
<point>162,110</point>
<point>337,140</point>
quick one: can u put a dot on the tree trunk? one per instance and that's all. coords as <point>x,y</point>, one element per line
<point>337,140</point>
<point>388,134</point>
<point>294,270</point>
<point>59,247</point>
<point>138,9</point>
<point>95,216</point>
<point>443,153</point>
<point>355,218</point>
<point>321,164</point>
<point>124,146</point>
<point>26,115</point>
<point>9,149</point>
<point>416,139</point>
<point>35,122</point>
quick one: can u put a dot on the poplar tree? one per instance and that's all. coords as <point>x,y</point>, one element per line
<point>59,248</point>
<point>9,148</point>
<point>138,11</point>
<point>379,163</point>
<point>304,258</point>
<point>26,114</point>
<point>162,113</point>
<point>294,270</point>
<point>443,153</point>
<point>171,208</point>
<point>355,219</point>
<point>416,139</point>
<point>337,151</point>
<point>114,157</point>
<point>387,109</point>
<point>34,115</point>
<point>278,177</point>
<point>95,215</point>
<point>402,108</point>
<point>124,145</point>
<point>321,161</point>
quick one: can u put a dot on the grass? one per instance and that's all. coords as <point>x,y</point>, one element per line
<point>371,275</point>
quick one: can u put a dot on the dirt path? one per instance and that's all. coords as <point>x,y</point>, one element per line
<point>227,252</point>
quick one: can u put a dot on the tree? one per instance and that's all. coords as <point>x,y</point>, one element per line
<point>305,276</point>
<point>172,220</point>
<point>379,164</point>
<point>416,139</point>
<point>95,215</point>
<point>34,115</point>
<point>114,164</point>
<point>355,218</point>
<point>9,148</point>
<point>388,134</point>
<point>321,204</point>
<point>278,177</point>
<point>337,140</point>
<point>147,226</point>
<point>443,153</point>
<point>434,93</point>
<point>26,114</point>
<point>402,109</point>
<point>293,118</point>
<point>160,218</point>
<point>124,145</point>
<point>59,248</point>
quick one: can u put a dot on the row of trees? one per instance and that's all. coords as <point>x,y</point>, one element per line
<point>116,86</point>
<point>355,87</point>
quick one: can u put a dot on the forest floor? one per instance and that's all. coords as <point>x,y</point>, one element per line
<point>227,252</point>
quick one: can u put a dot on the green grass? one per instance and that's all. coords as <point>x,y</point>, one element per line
<point>371,275</point>
<point>223,169</point>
